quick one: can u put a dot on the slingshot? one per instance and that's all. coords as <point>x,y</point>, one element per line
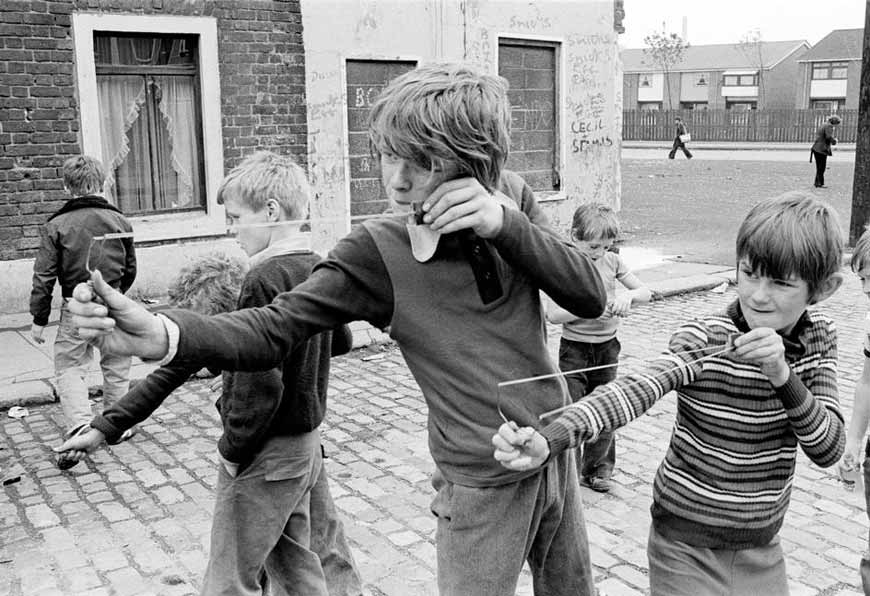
<point>728,346</point>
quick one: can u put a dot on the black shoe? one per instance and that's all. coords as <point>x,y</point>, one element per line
<point>596,483</point>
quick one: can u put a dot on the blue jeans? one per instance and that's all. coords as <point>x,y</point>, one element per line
<point>485,534</point>
<point>598,457</point>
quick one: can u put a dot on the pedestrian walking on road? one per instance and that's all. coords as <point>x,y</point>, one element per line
<point>821,149</point>
<point>592,342</point>
<point>680,139</point>
<point>64,257</point>
<point>753,384</point>
<point>456,273</point>
<point>275,523</point>
<point>856,459</point>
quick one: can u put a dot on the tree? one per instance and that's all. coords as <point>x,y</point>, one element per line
<point>665,50</point>
<point>861,179</point>
<point>751,46</point>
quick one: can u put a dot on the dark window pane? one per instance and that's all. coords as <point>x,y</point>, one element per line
<point>530,69</point>
<point>365,80</point>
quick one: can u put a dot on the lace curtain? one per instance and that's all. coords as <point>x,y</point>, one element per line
<point>149,141</point>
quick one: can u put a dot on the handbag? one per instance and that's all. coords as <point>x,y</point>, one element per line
<point>685,138</point>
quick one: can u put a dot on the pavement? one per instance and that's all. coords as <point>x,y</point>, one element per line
<point>135,519</point>
<point>709,150</point>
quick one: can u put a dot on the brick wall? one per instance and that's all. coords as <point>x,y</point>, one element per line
<point>262,87</point>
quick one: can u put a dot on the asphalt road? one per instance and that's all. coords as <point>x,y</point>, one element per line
<point>691,209</point>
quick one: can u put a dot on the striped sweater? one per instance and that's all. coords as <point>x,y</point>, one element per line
<point>726,479</point>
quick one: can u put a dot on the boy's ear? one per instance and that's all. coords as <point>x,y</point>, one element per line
<point>273,210</point>
<point>828,287</point>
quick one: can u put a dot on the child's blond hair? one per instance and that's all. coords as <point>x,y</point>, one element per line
<point>445,113</point>
<point>209,285</point>
<point>792,234</point>
<point>593,221</point>
<point>861,252</point>
<point>266,176</point>
<point>83,175</point>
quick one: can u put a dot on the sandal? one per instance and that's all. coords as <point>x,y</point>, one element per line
<point>63,461</point>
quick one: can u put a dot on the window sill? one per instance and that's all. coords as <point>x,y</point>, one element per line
<point>152,228</point>
<point>550,196</point>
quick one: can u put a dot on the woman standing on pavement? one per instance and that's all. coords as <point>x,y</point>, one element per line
<point>822,148</point>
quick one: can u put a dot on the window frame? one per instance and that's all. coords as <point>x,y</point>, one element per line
<point>738,78</point>
<point>207,221</point>
<point>828,68</point>
<point>558,47</point>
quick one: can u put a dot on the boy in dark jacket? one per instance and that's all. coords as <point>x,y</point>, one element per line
<point>68,239</point>
<point>272,491</point>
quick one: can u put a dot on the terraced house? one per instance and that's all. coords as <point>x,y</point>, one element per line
<point>172,94</point>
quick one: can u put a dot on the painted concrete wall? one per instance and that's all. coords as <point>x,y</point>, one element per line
<point>589,112</point>
<point>448,30</point>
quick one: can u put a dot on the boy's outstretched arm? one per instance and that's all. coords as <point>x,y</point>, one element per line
<point>860,415</point>
<point>350,284</point>
<point>617,403</point>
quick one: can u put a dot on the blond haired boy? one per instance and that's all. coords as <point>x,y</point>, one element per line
<point>274,519</point>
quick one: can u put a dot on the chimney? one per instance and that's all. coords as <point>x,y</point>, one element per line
<point>685,28</point>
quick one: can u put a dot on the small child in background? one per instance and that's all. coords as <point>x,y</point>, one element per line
<point>855,437</point>
<point>63,257</point>
<point>753,384</point>
<point>589,343</point>
<point>210,286</point>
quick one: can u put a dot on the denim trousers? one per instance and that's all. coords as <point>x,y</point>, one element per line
<point>864,566</point>
<point>484,535</point>
<point>72,357</point>
<point>275,529</point>
<point>680,569</point>
<point>598,457</point>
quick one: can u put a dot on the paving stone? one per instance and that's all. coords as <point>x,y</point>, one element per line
<point>133,513</point>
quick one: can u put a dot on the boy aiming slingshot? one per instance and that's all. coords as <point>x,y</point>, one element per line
<point>721,493</point>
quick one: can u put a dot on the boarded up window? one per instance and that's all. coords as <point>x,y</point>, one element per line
<point>530,68</point>
<point>365,80</point>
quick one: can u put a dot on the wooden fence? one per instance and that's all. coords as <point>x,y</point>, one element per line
<point>778,126</point>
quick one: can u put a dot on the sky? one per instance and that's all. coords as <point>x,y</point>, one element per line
<point>726,21</point>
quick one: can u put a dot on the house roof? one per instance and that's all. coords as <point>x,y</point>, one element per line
<point>715,57</point>
<point>839,44</point>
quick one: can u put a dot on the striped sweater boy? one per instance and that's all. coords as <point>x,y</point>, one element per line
<point>726,479</point>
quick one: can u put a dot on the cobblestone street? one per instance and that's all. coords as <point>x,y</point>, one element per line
<point>135,520</point>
